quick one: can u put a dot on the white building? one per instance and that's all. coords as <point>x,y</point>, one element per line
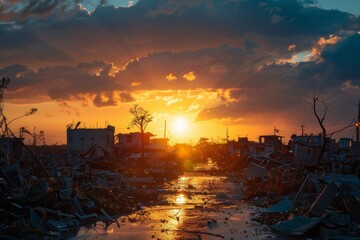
<point>306,154</point>
<point>80,141</point>
<point>314,140</point>
<point>266,144</point>
<point>307,148</point>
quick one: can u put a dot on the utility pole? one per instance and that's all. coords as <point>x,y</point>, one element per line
<point>275,140</point>
<point>227,134</point>
<point>358,124</point>
<point>43,138</point>
<point>357,134</point>
<point>165,135</point>
<point>302,129</point>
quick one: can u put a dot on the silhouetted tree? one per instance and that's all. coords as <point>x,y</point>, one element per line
<point>4,124</point>
<point>320,109</point>
<point>140,120</point>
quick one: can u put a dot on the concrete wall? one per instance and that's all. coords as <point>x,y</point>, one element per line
<point>132,140</point>
<point>79,141</point>
<point>345,144</point>
<point>306,155</point>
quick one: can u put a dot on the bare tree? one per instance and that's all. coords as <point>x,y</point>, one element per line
<point>35,137</point>
<point>320,109</point>
<point>140,120</point>
<point>4,124</point>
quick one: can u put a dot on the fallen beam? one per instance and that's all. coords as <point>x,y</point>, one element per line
<point>199,232</point>
<point>55,212</point>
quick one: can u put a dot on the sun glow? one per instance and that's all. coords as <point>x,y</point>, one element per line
<point>180,126</point>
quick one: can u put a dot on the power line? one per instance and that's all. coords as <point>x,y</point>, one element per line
<point>170,136</point>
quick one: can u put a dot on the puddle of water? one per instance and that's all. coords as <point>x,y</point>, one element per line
<point>198,204</point>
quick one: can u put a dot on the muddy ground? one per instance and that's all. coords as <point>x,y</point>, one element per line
<point>198,205</point>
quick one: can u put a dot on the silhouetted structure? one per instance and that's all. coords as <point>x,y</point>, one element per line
<point>127,141</point>
<point>81,140</point>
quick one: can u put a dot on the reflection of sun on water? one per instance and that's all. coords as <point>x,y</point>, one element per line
<point>176,216</point>
<point>180,199</point>
<point>176,212</point>
<point>183,179</point>
<point>181,184</point>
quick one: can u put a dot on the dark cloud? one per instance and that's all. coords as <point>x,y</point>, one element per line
<point>253,84</point>
<point>119,34</point>
<point>249,45</point>
<point>344,59</point>
<point>220,67</point>
<point>65,82</point>
<point>232,45</point>
<point>279,90</point>
<point>39,8</point>
<point>99,100</point>
<point>14,10</point>
<point>126,97</point>
<point>112,98</point>
<point>211,68</point>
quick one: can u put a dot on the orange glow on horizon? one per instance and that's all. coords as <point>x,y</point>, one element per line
<point>52,117</point>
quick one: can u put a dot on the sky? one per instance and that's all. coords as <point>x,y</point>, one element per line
<point>209,68</point>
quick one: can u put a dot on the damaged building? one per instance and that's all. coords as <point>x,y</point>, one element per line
<point>131,140</point>
<point>11,150</point>
<point>82,140</point>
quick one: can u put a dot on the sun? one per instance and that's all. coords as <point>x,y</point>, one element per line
<point>180,126</point>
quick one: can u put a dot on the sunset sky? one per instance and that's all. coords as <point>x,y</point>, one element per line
<point>204,66</point>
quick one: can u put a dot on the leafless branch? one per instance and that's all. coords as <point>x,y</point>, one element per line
<point>351,124</point>
<point>320,113</point>
<point>304,100</point>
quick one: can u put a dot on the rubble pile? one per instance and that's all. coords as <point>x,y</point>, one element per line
<point>271,218</point>
<point>319,204</point>
<point>59,206</point>
<point>302,189</point>
<point>275,181</point>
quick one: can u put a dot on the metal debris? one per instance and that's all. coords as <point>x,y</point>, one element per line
<point>296,226</point>
<point>281,207</point>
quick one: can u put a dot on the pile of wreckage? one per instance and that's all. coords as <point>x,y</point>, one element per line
<point>71,197</point>
<point>296,202</point>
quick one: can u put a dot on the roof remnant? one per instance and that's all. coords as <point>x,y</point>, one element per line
<point>281,207</point>
<point>324,199</point>
<point>255,170</point>
<point>297,226</point>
